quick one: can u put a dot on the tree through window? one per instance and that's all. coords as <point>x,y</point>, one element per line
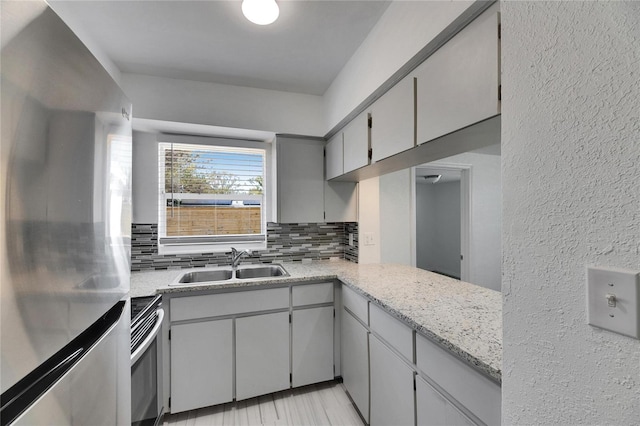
<point>211,193</point>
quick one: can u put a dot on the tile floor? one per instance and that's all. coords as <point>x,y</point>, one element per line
<point>321,404</point>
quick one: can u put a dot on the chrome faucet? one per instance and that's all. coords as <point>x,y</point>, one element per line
<point>237,255</point>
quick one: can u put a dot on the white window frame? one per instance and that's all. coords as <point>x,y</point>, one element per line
<point>216,244</point>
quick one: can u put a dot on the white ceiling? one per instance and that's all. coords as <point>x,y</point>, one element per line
<point>211,41</point>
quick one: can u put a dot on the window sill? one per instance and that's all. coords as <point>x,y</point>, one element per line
<point>209,248</point>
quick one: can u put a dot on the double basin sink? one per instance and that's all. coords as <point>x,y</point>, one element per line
<point>227,273</point>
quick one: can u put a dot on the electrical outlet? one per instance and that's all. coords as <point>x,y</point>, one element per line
<point>351,238</point>
<point>613,297</point>
<point>368,239</point>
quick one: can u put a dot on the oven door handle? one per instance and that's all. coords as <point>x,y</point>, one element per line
<point>152,335</point>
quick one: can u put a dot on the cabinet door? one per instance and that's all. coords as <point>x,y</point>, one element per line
<point>458,85</point>
<point>312,346</point>
<point>300,171</point>
<point>201,364</point>
<point>393,125</point>
<point>471,389</point>
<point>341,202</point>
<point>355,362</point>
<point>433,409</point>
<point>262,354</point>
<point>356,143</point>
<point>334,156</point>
<point>392,395</point>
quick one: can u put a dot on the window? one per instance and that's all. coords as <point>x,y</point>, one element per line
<point>211,197</point>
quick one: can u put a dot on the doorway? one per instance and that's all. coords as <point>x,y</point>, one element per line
<point>480,215</point>
<point>442,219</point>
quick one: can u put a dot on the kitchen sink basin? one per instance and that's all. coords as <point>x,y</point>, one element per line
<point>206,276</point>
<point>247,272</point>
<point>224,274</point>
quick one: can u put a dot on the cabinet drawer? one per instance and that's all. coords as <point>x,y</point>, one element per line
<point>356,304</point>
<point>473,390</point>
<point>397,334</point>
<point>311,294</point>
<point>213,305</point>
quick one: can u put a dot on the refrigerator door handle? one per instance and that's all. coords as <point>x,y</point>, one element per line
<point>150,337</point>
<point>18,398</point>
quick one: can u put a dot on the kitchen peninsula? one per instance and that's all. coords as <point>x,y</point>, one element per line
<point>462,318</point>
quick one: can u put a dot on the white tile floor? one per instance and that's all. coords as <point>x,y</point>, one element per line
<point>322,404</point>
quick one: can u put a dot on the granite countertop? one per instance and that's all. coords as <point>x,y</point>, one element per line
<point>464,318</point>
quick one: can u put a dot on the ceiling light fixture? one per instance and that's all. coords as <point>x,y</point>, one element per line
<point>261,12</point>
<point>432,178</point>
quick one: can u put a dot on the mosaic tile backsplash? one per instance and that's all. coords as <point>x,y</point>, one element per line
<point>286,242</point>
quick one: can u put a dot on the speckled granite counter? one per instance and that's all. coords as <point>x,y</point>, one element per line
<point>464,318</point>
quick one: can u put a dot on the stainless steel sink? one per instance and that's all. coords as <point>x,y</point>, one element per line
<point>223,274</point>
<point>246,272</point>
<point>206,276</point>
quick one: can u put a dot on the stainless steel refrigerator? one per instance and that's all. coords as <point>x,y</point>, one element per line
<point>65,224</point>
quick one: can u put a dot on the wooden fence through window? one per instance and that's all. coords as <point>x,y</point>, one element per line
<point>213,220</point>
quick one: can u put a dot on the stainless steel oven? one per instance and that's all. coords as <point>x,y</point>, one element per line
<point>146,361</point>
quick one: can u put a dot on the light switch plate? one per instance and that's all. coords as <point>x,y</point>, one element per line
<point>613,297</point>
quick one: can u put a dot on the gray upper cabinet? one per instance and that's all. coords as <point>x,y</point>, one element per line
<point>356,143</point>
<point>300,184</point>
<point>458,85</point>
<point>303,194</point>
<point>393,120</point>
<point>334,156</point>
<point>341,202</point>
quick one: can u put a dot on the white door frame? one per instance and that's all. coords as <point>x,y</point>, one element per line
<point>466,178</point>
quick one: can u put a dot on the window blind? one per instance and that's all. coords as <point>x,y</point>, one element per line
<point>211,194</point>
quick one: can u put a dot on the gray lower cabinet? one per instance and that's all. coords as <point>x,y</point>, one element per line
<point>463,385</point>
<point>241,344</point>
<point>382,359</point>
<point>355,362</point>
<point>312,346</point>
<point>262,354</point>
<point>201,364</point>
<point>433,409</point>
<point>392,391</point>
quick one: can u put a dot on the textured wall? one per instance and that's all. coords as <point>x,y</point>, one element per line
<point>369,219</point>
<point>571,194</point>
<point>288,242</point>
<point>396,231</point>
